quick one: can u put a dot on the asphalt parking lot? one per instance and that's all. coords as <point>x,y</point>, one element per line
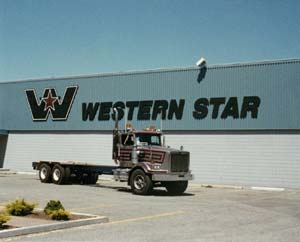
<point>201,214</point>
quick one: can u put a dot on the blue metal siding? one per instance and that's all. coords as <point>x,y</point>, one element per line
<point>276,83</point>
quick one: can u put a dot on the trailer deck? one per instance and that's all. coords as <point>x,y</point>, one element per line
<point>83,166</point>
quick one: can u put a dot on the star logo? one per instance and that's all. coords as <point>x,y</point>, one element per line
<point>49,101</point>
<point>50,104</point>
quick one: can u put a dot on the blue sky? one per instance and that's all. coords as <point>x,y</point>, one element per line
<point>52,38</point>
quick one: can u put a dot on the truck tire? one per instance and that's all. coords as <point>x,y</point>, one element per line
<point>141,184</point>
<point>45,173</point>
<point>58,174</point>
<point>67,178</point>
<point>89,179</point>
<point>176,187</point>
<point>93,178</point>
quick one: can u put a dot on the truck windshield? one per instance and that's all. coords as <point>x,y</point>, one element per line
<point>148,139</point>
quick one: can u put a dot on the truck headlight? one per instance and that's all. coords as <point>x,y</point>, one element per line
<point>156,167</point>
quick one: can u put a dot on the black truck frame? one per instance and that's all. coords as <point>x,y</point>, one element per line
<point>67,172</point>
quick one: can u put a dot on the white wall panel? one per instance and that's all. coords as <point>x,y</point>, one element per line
<point>233,159</point>
<point>23,149</point>
<point>240,159</point>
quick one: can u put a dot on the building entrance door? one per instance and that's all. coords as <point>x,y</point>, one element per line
<point>3,143</point>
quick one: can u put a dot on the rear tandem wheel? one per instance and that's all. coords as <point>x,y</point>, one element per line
<point>45,173</point>
<point>60,175</point>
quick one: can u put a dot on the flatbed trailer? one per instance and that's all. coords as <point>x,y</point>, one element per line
<point>64,172</point>
<point>144,162</point>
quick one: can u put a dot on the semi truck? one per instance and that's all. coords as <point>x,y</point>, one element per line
<point>142,159</point>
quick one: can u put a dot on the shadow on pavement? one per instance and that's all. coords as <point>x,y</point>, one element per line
<point>155,192</point>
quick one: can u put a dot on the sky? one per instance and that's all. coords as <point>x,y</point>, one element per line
<point>54,38</point>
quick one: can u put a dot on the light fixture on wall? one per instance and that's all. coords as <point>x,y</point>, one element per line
<point>201,62</point>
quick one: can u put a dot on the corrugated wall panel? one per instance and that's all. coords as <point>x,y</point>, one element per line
<point>275,84</point>
<point>240,159</point>
<point>233,159</point>
<point>23,149</point>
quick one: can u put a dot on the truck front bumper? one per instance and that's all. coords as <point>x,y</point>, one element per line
<point>172,177</point>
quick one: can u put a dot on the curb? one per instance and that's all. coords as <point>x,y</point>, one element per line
<point>222,186</point>
<point>26,173</point>
<point>275,189</point>
<point>5,171</point>
<point>54,226</point>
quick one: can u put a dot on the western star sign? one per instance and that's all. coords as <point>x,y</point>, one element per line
<point>215,107</point>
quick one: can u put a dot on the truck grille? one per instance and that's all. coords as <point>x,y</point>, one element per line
<point>180,162</point>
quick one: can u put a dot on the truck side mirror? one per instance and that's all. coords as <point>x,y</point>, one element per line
<point>164,140</point>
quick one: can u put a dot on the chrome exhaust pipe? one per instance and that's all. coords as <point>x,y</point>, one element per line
<point>116,119</point>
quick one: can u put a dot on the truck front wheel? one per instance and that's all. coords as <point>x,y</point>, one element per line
<point>140,183</point>
<point>176,187</point>
<point>45,173</point>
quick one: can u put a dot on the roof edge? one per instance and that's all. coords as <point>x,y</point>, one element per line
<point>159,70</point>
<point>3,132</point>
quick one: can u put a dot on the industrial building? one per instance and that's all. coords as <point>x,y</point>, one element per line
<point>240,122</point>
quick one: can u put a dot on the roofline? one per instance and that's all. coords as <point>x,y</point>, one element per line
<point>159,70</point>
<point>3,132</point>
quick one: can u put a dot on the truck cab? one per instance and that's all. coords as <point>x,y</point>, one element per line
<point>145,161</point>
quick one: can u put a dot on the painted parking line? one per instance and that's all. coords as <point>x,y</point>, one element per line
<point>151,217</point>
<point>124,221</point>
